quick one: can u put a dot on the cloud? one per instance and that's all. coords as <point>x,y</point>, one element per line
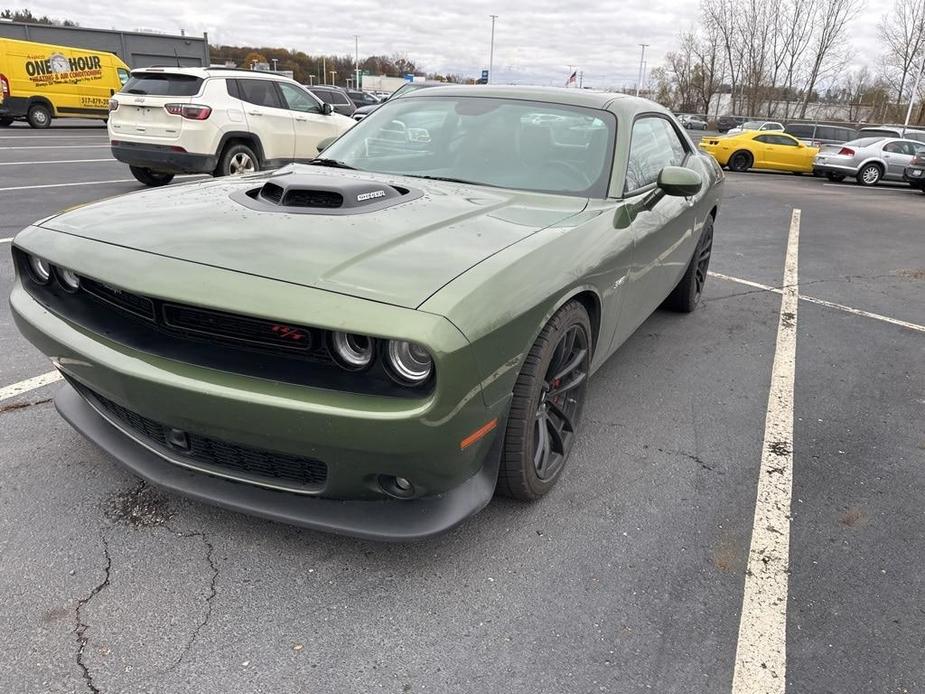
<point>535,42</point>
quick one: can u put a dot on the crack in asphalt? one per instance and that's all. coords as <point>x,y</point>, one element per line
<point>80,628</point>
<point>22,405</point>
<point>213,591</point>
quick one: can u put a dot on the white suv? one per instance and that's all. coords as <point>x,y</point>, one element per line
<point>220,121</point>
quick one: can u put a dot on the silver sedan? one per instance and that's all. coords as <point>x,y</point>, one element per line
<point>868,159</point>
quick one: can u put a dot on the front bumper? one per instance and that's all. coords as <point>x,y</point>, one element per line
<point>915,175</point>
<point>162,158</point>
<point>386,519</point>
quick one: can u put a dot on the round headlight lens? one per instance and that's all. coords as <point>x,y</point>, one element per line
<point>69,279</point>
<point>40,269</point>
<point>353,352</point>
<point>410,363</point>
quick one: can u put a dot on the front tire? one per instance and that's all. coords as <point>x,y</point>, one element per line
<point>685,297</point>
<point>39,116</point>
<point>835,177</point>
<point>740,161</point>
<point>151,178</point>
<point>870,175</point>
<point>546,408</point>
<point>237,160</point>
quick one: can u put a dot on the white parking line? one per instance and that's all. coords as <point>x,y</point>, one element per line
<point>823,302</point>
<point>6,240</point>
<point>29,384</point>
<point>87,183</point>
<point>761,651</point>
<point>54,147</point>
<point>54,161</point>
<point>55,137</point>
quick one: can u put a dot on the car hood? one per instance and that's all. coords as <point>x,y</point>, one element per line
<point>398,253</point>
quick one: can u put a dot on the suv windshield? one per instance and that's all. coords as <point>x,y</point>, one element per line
<point>527,145</point>
<point>157,84</point>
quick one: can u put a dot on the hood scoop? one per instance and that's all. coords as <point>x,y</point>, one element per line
<point>320,194</point>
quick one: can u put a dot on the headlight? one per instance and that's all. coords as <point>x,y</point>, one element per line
<point>68,279</point>
<point>353,352</point>
<point>409,363</point>
<point>39,269</point>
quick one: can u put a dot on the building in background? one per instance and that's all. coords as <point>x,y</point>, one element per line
<point>136,48</point>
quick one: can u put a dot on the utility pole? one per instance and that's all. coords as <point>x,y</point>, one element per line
<point>311,80</point>
<point>333,81</point>
<point>491,50</point>
<point>581,78</point>
<point>915,90</point>
<point>642,66</point>
<point>324,71</point>
<point>274,63</point>
<point>356,58</point>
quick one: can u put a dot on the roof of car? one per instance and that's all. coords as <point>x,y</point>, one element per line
<point>204,72</point>
<point>575,97</point>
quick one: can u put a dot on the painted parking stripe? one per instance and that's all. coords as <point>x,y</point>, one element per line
<point>55,137</point>
<point>823,302</point>
<point>29,384</point>
<point>52,146</point>
<point>761,650</point>
<point>55,161</point>
<point>87,183</point>
<point>7,240</point>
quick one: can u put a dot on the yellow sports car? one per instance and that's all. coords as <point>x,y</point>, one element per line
<point>761,150</point>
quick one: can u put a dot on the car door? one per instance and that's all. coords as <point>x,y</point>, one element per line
<point>764,152</point>
<point>311,124</point>
<point>897,155</point>
<point>268,119</point>
<point>663,236</point>
<point>788,153</point>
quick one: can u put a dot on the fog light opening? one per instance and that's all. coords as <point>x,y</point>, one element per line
<point>397,487</point>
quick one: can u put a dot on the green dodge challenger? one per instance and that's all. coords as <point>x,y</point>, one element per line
<point>375,342</point>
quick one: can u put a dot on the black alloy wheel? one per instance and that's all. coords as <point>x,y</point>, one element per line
<point>546,407</point>
<point>740,161</point>
<point>687,294</point>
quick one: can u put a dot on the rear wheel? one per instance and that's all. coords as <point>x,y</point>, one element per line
<point>236,160</point>
<point>686,295</point>
<point>149,177</point>
<point>740,161</point>
<point>4,122</point>
<point>548,399</point>
<point>835,177</point>
<point>870,175</point>
<point>39,116</point>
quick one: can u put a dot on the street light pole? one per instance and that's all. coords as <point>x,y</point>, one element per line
<point>491,50</point>
<point>915,90</point>
<point>324,70</point>
<point>356,58</point>
<point>642,62</point>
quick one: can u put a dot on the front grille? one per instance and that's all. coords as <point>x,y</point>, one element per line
<point>238,328</point>
<point>222,457</point>
<point>139,305</point>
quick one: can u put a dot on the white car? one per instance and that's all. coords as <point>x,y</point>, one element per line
<point>220,121</point>
<point>757,125</point>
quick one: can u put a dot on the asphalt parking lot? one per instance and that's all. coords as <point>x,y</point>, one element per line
<point>628,577</point>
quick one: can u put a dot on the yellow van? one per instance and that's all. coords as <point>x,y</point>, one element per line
<point>39,81</point>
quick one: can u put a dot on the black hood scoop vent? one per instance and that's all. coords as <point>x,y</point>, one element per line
<point>323,194</point>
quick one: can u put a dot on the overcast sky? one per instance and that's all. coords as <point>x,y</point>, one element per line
<point>535,40</point>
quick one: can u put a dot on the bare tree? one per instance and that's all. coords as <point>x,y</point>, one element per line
<point>709,70</point>
<point>724,15</point>
<point>833,19</point>
<point>903,34</point>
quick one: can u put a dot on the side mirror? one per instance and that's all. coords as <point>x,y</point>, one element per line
<point>324,143</point>
<point>678,181</point>
<point>327,109</point>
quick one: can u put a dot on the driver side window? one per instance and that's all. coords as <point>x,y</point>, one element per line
<point>654,145</point>
<point>299,100</point>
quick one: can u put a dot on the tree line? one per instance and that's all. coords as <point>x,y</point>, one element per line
<point>776,59</point>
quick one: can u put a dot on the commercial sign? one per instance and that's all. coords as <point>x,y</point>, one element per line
<point>59,69</point>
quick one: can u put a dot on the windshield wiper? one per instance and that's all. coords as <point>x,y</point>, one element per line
<point>135,91</point>
<point>450,179</point>
<point>322,161</point>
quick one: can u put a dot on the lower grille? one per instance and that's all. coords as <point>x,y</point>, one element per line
<point>221,457</point>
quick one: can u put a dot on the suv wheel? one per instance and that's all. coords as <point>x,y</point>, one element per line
<point>39,116</point>
<point>151,178</point>
<point>236,160</point>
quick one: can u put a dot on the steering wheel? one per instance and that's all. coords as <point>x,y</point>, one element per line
<point>572,169</point>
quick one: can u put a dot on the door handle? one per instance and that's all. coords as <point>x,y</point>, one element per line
<point>255,113</point>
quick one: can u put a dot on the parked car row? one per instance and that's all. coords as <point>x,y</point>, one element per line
<point>868,160</point>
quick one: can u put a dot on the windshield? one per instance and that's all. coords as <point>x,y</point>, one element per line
<point>864,142</point>
<point>752,125</point>
<point>162,84</point>
<point>527,145</point>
